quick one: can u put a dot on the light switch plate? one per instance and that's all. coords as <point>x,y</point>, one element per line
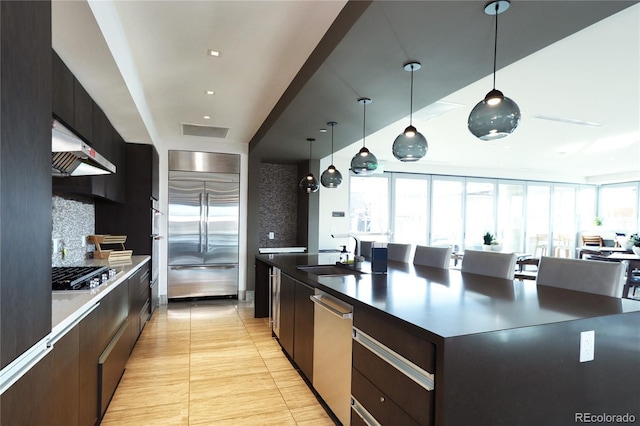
<point>587,345</point>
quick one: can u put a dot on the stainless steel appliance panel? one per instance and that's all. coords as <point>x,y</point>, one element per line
<point>202,281</point>
<point>192,161</point>
<point>222,212</point>
<point>332,324</point>
<point>204,210</point>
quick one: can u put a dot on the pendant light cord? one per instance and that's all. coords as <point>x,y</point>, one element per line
<point>332,125</point>
<point>411,101</point>
<point>495,48</point>
<point>364,120</point>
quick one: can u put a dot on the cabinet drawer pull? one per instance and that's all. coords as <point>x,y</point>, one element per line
<point>397,361</point>
<point>363,413</point>
<point>382,399</point>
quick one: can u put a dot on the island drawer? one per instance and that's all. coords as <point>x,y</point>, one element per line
<point>410,396</point>
<point>419,351</point>
<point>366,396</point>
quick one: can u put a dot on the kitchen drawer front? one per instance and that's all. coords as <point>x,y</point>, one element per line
<point>409,395</point>
<point>377,403</point>
<point>419,351</point>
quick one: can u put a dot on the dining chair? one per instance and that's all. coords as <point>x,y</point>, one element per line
<point>590,276</point>
<point>542,241</point>
<point>592,240</point>
<point>492,264</point>
<point>365,249</point>
<point>437,257</point>
<point>398,252</point>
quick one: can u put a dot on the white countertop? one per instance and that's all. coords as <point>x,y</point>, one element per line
<point>70,305</point>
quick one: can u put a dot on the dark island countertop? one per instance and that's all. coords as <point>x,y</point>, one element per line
<point>449,303</point>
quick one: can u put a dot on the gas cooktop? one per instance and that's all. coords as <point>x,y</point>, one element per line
<point>79,277</point>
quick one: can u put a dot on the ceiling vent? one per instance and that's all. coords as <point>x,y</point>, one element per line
<point>204,131</point>
<point>568,121</point>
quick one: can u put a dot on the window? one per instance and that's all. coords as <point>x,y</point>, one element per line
<point>479,212</point>
<point>510,212</point>
<point>411,210</point>
<point>446,219</point>
<point>538,200</point>
<point>369,204</point>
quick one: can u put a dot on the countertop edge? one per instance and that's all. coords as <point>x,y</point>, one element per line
<point>61,326</point>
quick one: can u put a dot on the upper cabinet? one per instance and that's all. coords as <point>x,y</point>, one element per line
<point>82,111</point>
<point>73,106</point>
<point>63,81</point>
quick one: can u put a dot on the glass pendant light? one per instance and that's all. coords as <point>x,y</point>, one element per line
<point>309,183</point>
<point>364,162</point>
<point>331,178</point>
<point>496,116</point>
<point>411,145</point>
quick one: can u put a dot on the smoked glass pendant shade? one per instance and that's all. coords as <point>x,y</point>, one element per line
<point>496,116</point>
<point>331,178</point>
<point>364,162</point>
<point>309,184</point>
<point>489,122</point>
<point>410,145</point>
<point>410,148</point>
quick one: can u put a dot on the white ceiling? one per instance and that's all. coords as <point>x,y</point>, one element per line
<point>160,72</point>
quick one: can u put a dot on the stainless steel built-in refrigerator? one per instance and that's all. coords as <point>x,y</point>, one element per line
<point>203,226</point>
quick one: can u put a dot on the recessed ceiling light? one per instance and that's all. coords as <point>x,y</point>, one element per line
<point>213,52</point>
<point>323,130</point>
<point>206,117</point>
<point>209,92</point>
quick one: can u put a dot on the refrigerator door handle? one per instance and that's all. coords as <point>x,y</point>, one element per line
<point>206,225</point>
<point>200,242</point>
<point>187,267</point>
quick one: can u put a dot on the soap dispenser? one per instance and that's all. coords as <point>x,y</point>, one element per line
<point>344,255</point>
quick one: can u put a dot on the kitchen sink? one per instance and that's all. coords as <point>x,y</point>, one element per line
<point>328,270</point>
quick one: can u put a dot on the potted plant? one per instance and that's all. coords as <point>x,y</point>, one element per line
<point>495,245</point>
<point>634,239</point>
<point>487,240</point>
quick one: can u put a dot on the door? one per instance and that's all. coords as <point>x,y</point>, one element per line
<point>222,209</point>
<point>185,223</point>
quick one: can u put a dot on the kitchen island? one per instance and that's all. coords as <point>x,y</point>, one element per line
<point>497,351</point>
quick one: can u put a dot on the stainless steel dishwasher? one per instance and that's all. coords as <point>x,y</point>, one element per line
<point>332,353</point>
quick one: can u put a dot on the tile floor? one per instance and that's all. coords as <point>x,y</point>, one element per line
<point>211,363</point>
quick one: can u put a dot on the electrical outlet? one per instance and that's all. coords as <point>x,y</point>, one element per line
<point>271,235</point>
<point>587,345</point>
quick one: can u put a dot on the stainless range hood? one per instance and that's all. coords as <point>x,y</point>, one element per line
<point>71,156</point>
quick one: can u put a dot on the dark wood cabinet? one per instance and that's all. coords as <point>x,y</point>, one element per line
<point>303,329</point>
<point>138,302</point>
<point>63,92</point>
<point>296,323</point>
<point>287,312</point>
<point>133,217</point>
<point>88,367</point>
<point>65,391</point>
<point>74,107</point>
<point>262,294</point>
<point>82,112</point>
<point>28,402</point>
<point>25,178</point>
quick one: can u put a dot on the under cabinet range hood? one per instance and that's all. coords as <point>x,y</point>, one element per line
<point>71,156</point>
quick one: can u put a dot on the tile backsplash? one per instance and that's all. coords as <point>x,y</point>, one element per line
<point>73,220</point>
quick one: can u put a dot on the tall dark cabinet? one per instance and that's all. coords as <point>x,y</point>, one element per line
<point>133,217</point>
<point>25,200</point>
<point>25,176</point>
